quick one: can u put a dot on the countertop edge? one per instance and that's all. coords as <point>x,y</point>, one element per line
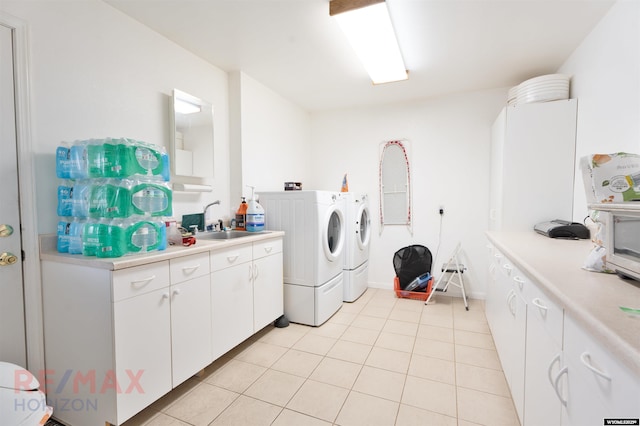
<point>605,332</point>
<point>48,252</point>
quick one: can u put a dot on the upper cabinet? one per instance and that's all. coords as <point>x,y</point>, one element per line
<point>532,165</point>
<point>191,136</point>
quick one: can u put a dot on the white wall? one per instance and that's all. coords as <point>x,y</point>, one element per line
<point>449,139</point>
<point>96,73</point>
<point>606,81</point>
<point>274,134</point>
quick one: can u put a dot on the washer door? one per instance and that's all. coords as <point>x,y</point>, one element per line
<point>333,233</point>
<point>363,227</point>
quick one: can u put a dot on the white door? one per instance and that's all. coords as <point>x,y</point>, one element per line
<point>12,325</point>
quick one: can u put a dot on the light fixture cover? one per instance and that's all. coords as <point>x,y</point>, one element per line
<point>371,35</point>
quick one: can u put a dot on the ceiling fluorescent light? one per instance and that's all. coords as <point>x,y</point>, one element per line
<point>367,25</point>
<point>184,107</point>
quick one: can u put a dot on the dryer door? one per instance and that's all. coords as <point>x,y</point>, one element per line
<point>363,227</point>
<point>333,233</point>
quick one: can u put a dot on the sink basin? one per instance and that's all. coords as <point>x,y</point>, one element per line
<point>225,235</point>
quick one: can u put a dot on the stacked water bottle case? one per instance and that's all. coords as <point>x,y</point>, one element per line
<point>113,199</point>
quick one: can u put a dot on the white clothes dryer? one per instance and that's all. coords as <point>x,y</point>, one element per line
<point>358,238</point>
<point>313,251</point>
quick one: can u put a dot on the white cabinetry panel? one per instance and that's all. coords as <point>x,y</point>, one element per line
<point>532,165</point>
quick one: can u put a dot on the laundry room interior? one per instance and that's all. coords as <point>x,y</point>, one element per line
<point>92,70</point>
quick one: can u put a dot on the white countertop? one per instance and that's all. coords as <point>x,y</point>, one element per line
<point>48,251</point>
<point>591,298</point>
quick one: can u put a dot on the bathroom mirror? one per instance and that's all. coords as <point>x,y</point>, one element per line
<point>192,136</point>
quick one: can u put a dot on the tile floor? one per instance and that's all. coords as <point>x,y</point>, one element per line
<point>377,361</point>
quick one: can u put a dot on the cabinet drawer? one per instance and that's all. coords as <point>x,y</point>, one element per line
<point>266,248</point>
<point>543,310</point>
<point>230,257</point>
<point>598,374</point>
<point>142,279</point>
<point>188,267</point>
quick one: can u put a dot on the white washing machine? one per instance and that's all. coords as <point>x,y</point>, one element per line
<point>314,240</point>
<point>358,237</point>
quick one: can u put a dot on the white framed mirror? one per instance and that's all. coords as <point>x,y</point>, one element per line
<point>191,144</point>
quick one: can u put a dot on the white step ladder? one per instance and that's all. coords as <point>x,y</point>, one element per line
<point>455,268</point>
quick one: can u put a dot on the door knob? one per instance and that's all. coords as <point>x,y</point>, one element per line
<point>7,258</point>
<point>5,230</point>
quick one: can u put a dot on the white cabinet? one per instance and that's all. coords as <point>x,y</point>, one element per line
<point>118,337</point>
<point>108,339</point>
<point>119,340</point>
<point>532,164</point>
<point>268,298</point>
<point>543,357</point>
<point>506,314</point>
<point>597,385</point>
<point>190,316</point>
<point>231,298</point>
<point>557,372</point>
<point>246,286</point>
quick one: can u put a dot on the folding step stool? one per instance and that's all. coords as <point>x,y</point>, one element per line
<point>455,268</point>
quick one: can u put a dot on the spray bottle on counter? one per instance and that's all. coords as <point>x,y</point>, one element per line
<point>255,214</point>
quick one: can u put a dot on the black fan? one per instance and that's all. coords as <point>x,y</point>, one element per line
<point>411,262</point>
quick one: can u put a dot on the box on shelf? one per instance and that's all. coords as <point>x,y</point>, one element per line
<point>293,186</point>
<point>611,178</point>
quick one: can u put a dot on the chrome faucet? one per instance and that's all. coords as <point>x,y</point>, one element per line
<point>204,211</point>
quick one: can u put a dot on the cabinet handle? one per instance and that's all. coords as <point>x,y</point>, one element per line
<point>510,298</point>
<point>255,272</point>
<point>268,249</point>
<point>165,295</point>
<point>190,269</point>
<point>497,256</point>
<point>538,303</point>
<point>586,360</point>
<point>232,258</point>
<point>250,273</point>
<point>557,381</point>
<point>519,280</point>
<point>176,292</point>
<point>553,361</point>
<point>143,281</point>
<point>508,267</point>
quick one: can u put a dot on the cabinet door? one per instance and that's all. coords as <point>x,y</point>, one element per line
<point>492,301</point>
<point>190,328</point>
<point>598,386</point>
<point>517,352</point>
<point>268,290</point>
<point>142,350</point>
<point>231,307</point>
<point>543,360</point>
<point>538,155</point>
